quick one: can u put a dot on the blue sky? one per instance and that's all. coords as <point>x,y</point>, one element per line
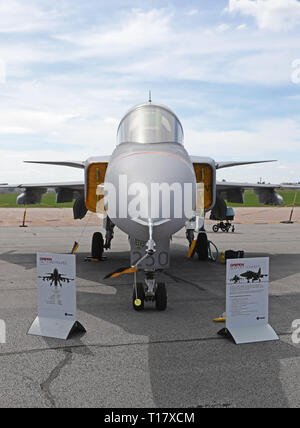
<point>69,70</point>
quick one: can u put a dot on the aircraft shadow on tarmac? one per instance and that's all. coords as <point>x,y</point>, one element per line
<point>188,372</point>
<point>281,266</point>
<point>184,370</point>
<point>198,373</point>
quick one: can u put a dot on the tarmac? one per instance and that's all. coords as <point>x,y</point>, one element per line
<point>64,216</point>
<point>148,359</point>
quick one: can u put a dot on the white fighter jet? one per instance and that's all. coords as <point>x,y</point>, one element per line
<point>150,187</point>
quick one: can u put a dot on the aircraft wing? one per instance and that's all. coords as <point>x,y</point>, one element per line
<point>234,192</point>
<point>222,185</point>
<point>219,165</point>
<point>72,164</point>
<point>76,185</point>
<point>65,192</point>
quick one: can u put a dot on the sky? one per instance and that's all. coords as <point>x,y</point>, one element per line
<point>229,69</point>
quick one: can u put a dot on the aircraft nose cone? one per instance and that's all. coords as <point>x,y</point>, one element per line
<point>151,185</point>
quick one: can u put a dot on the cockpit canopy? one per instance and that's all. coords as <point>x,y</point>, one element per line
<point>150,123</point>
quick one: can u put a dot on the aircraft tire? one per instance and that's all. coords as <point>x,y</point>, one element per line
<point>140,295</point>
<point>202,246</point>
<point>97,245</point>
<point>161,297</point>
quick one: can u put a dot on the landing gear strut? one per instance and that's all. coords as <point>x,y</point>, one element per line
<point>109,227</point>
<point>190,236</point>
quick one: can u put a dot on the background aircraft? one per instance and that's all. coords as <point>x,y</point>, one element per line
<point>149,150</point>
<point>235,279</point>
<point>255,276</point>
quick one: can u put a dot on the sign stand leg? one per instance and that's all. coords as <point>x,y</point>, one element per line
<point>77,328</point>
<point>55,328</point>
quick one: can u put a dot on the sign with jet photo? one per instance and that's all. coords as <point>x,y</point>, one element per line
<point>56,279</point>
<point>56,286</point>
<point>247,300</point>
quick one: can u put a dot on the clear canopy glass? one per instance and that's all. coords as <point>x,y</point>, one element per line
<point>150,123</point>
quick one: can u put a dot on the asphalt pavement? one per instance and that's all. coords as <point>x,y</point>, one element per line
<point>148,359</point>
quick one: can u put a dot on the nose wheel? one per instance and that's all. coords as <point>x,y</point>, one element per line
<point>150,291</point>
<point>161,298</point>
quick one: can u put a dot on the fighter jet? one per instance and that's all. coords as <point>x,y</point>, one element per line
<point>235,279</point>
<point>56,278</point>
<point>150,187</point>
<point>255,276</point>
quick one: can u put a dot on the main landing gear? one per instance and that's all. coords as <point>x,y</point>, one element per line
<point>150,291</point>
<point>98,244</point>
<point>199,246</point>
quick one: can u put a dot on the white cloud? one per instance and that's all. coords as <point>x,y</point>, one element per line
<point>14,171</point>
<point>268,138</point>
<point>16,17</point>
<point>138,30</point>
<point>149,46</point>
<point>223,27</point>
<point>25,121</point>
<point>73,89</point>
<point>192,12</point>
<point>269,14</point>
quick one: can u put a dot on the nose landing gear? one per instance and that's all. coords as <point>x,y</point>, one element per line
<point>150,291</point>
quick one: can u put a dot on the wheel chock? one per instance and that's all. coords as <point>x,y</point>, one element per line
<point>91,259</point>
<point>192,249</point>
<point>221,319</point>
<point>75,247</point>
